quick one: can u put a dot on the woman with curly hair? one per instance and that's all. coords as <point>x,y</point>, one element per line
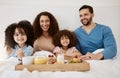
<point>65,42</point>
<point>45,26</point>
<point>19,39</point>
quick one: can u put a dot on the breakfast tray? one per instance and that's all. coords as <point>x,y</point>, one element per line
<point>83,66</point>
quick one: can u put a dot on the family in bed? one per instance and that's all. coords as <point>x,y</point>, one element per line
<point>91,41</point>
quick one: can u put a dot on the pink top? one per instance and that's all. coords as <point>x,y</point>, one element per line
<point>69,51</point>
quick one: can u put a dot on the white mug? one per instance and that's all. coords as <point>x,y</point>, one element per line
<point>27,60</point>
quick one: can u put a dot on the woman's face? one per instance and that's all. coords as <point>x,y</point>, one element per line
<point>44,22</point>
<point>65,41</point>
<point>20,36</point>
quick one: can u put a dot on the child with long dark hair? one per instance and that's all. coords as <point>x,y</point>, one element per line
<point>19,39</point>
<point>65,42</point>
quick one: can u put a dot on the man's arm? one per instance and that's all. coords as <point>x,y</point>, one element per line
<point>110,48</point>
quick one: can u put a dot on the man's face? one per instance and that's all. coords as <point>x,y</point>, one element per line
<point>86,17</point>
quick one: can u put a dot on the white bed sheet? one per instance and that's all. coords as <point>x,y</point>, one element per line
<point>98,69</point>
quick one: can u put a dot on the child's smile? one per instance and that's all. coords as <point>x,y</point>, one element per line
<point>65,41</point>
<point>20,36</point>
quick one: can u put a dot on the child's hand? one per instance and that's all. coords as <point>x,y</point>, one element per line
<point>19,53</point>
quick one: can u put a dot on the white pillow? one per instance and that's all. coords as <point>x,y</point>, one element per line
<point>98,51</point>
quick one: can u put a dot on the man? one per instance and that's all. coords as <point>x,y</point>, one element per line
<point>92,36</point>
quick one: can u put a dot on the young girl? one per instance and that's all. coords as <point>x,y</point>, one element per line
<point>19,39</point>
<point>65,41</point>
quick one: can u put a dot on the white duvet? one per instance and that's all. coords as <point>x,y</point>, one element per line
<point>98,69</point>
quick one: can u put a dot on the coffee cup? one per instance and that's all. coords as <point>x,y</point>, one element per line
<point>27,60</point>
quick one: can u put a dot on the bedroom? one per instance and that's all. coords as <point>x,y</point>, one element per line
<point>67,14</point>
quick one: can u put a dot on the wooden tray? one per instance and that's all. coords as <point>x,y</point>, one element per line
<point>84,66</point>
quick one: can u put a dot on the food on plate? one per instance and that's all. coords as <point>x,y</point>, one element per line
<point>51,59</point>
<point>75,60</point>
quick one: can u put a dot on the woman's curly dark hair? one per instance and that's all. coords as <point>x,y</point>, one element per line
<point>54,28</point>
<point>69,34</point>
<point>9,33</point>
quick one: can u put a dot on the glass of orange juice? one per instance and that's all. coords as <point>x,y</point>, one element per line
<point>41,59</point>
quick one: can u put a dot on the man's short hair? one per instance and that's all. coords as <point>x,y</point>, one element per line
<point>87,7</point>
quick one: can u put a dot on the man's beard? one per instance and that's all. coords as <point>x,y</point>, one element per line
<point>88,22</point>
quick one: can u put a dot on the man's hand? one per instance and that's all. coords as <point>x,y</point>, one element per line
<point>90,56</point>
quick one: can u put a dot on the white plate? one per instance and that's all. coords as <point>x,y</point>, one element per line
<point>46,53</point>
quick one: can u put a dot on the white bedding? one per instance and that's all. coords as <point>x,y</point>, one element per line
<point>99,69</point>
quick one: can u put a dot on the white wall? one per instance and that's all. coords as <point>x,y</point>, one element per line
<point>66,11</point>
